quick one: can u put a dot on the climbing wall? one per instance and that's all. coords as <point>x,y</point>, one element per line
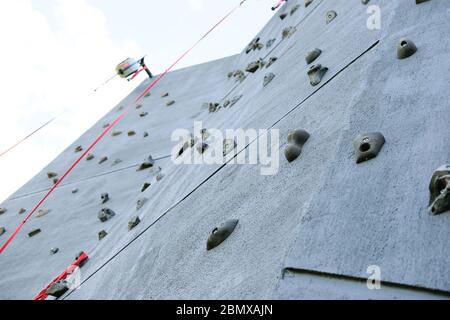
<point>310,231</point>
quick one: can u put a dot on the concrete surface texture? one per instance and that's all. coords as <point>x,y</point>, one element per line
<point>310,231</point>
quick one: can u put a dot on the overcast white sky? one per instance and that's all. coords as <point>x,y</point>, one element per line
<point>54,53</point>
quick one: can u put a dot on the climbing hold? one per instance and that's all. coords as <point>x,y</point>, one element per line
<point>105,214</point>
<point>201,147</point>
<point>42,212</point>
<point>74,190</point>
<point>316,73</point>
<point>3,210</point>
<point>116,162</point>
<point>307,3</point>
<point>57,289</point>
<point>22,210</point>
<point>367,146</point>
<point>120,108</point>
<point>239,75</point>
<point>230,74</point>
<point>228,146</point>
<point>145,186</point>
<point>272,60</point>
<point>2,230</point>
<point>331,15</point>
<point>421,1</point>
<point>34,232</point>
<point>55,180</point>
<point>138,106</point>
<point>104,197</point>
<point>116,133</point>
<point>254,45</point>
<point>365,1</point>
<point>145,134</point>
<point>147,94</point>
<point>406,48</point>
<point>296,140</point>
<point>440,191</point>
<point>294,9</point>
<point>159,177</point>
<point>131,133</point>
<point>219,234</point>
<point>146,164</point>
<point>267,78</point>
<point>312,55</point>
<point>143,114</point>
<point>292,152</point>
<point>298,137</point>
<point>51,174</point>
<point>133,222</point>
<point>270,42</point>
<point>84,261</point>
<point>226,103</point>
<point>169,103</point>
<point>54,250</point>
<point>106,125</point>
<point>288,32</point>
<point>234,100</point>
<point>103,159</point>
<point>213,106</point>
<point>254,66</point>
<point>165,94</point>
<point>283,15</point>
<point>205,134</point>
<point>140,203</point>
<point>79,149</point>
<point>90,156</point>
<point>102,234</point>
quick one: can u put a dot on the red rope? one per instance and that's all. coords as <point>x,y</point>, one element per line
<point>125,111</point>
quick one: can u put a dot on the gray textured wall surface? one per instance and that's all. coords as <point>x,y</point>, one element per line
<point>309,231</point>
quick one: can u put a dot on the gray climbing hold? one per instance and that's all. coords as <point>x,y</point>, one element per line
<point>3,210</point>
<point>42,212</point>
<point>34,232</point>
<point>331,15</point>
<point>148,163</point>
<point>51,174</point>
<point>159,177</point>
<point>228,146</point>
<point>55,180</point>
<point>105,214</point>
<point>254,66</point>
<point>104,197</point>
<point>230,74</point>
<point>131,133</point>
<point>22,210</point>
<point>74,190</point>
<point>288,32</point>
<point>164,94</point>
<point>312,55</point>
<point>239,75</point>
<point>213,106</point>
<point>296,140</point>
<point>57,289</point>
<point>307,3</point>
<point>106,125</point>
<point>89,157</point>
<point>116,133</point>
<point>365,1</point>
<point>272,60</point>
<point>219,234</point>
<point>120,108</point>
<point>270,42</point>
<point>440,191</point>
<point>406,48</point>
<point>294,9</point>
<point>103,159</point>
<point>147,94</point>
<point>140,203</point>
<point>133,222</point>
<point>143,114</point>
<point>367,146</point>
<point>2,230</point>
<point>316,73</point>
<point>79,149</point>
<point>116,162</point>
<point>169,103</point>
<point>54,250</point>
<point>283,15</point>
<point>421,1</point>
<point>145,186</point>
<point>139,106</point>
<point>145,134</point>
<point>268,78</point>
<point>102,234</point>
<point>254,45</point>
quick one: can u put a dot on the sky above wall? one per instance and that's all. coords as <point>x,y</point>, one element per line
<point>55,53</point>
